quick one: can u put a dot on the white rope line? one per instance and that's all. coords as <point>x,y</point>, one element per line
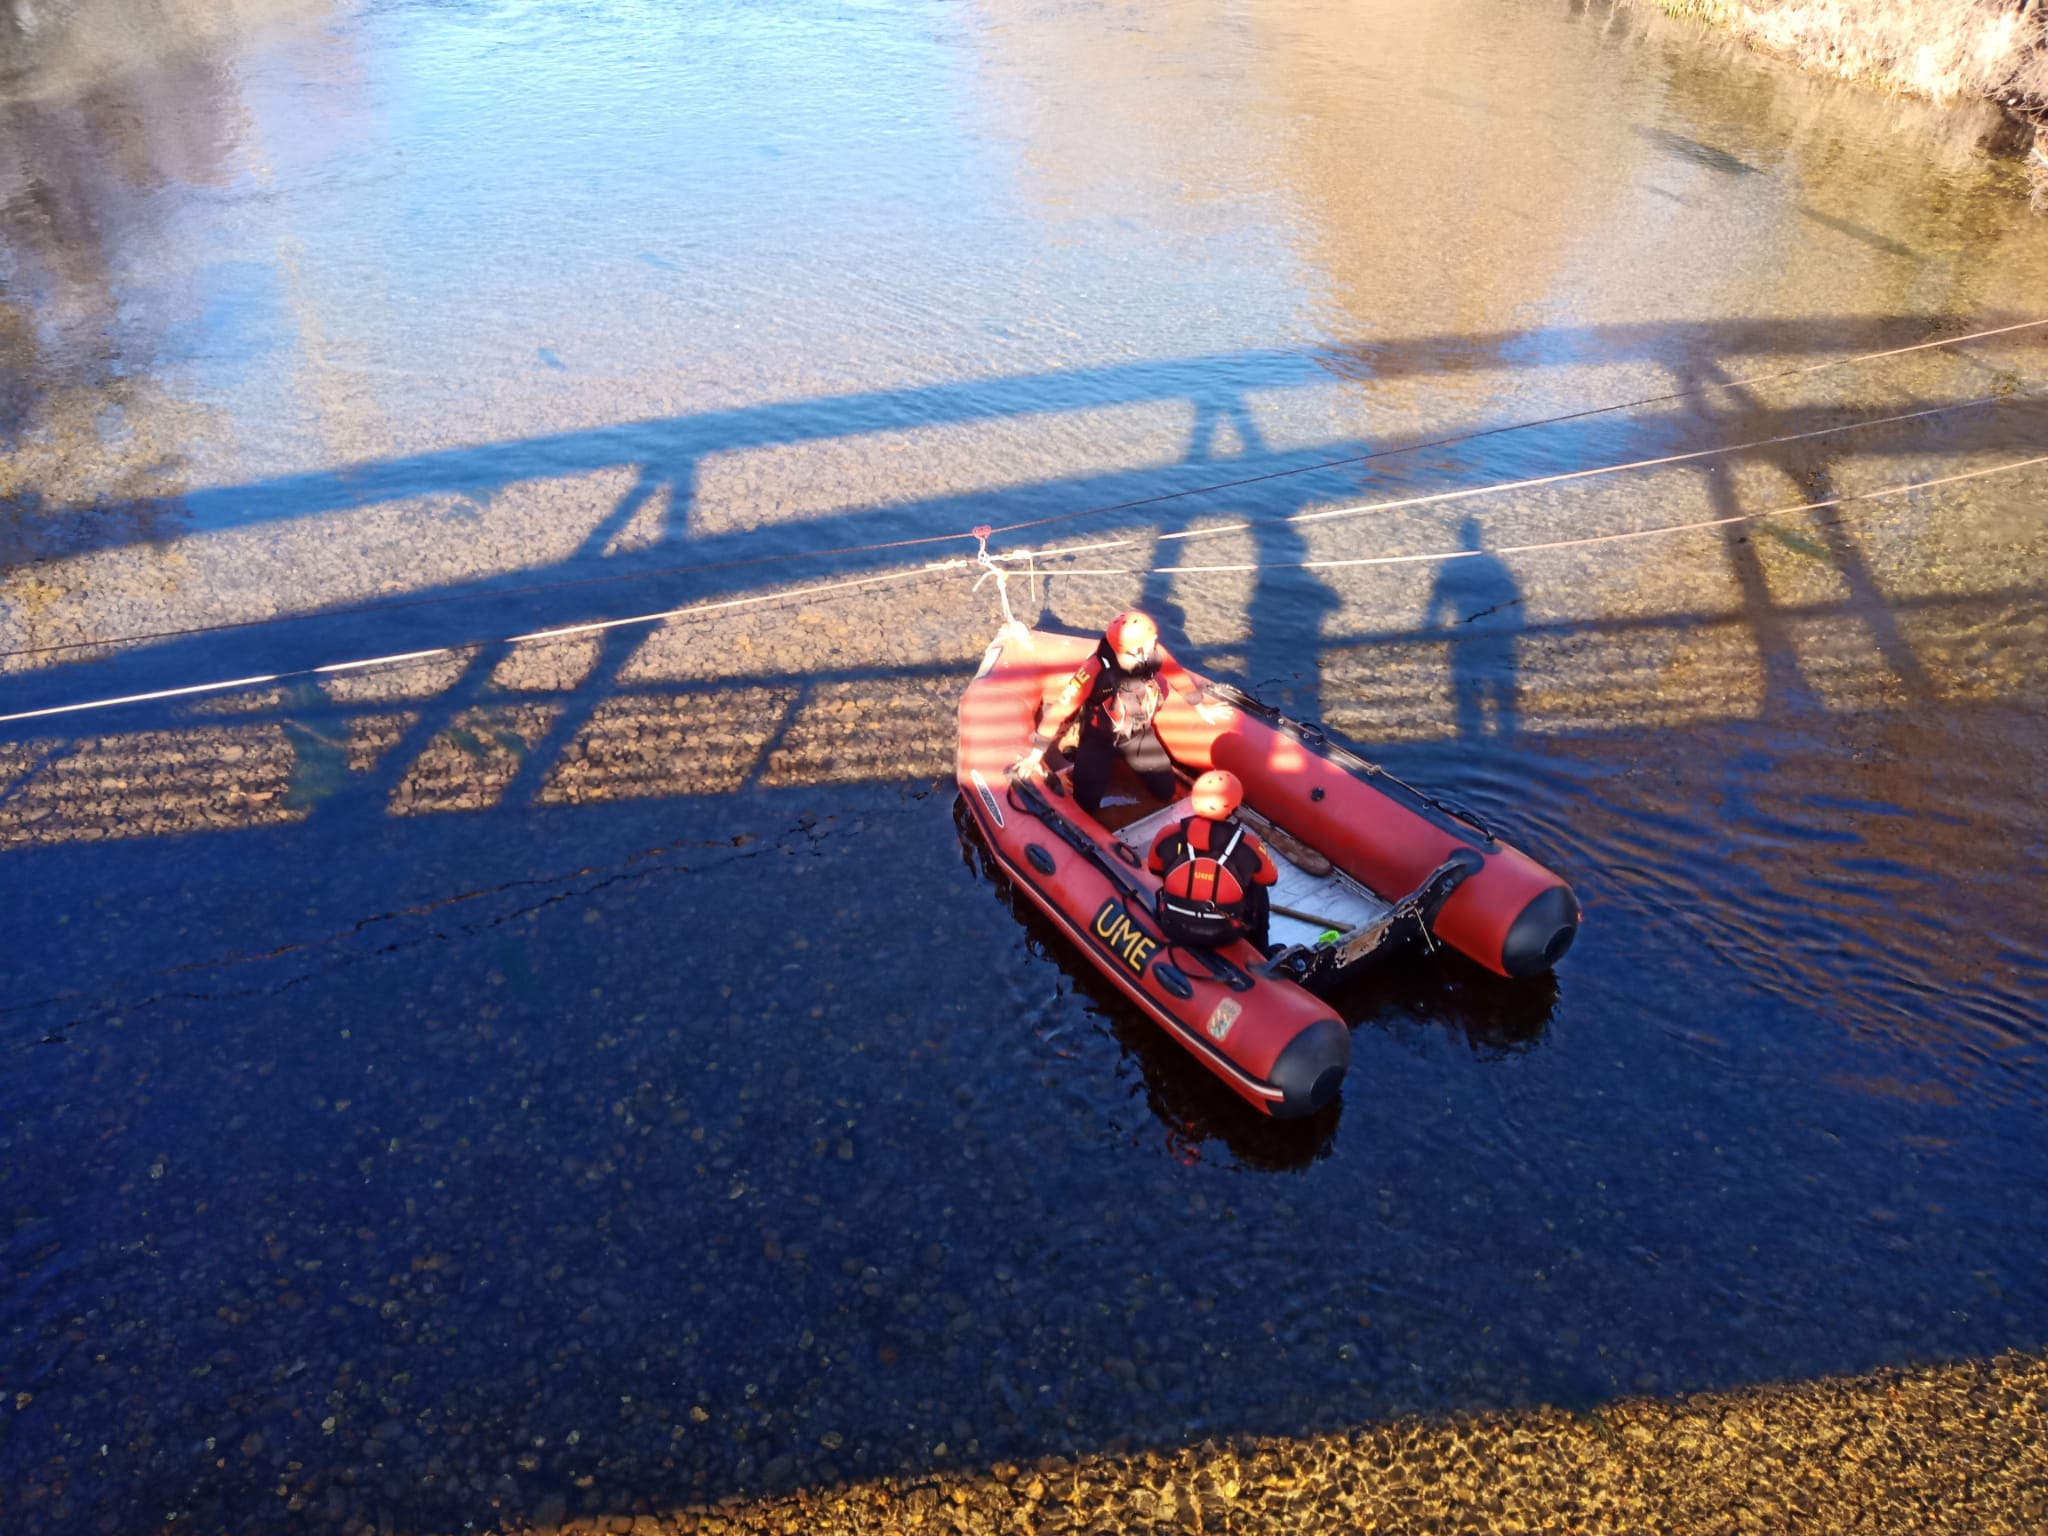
<point>565,632</point>
<point>692,609</point>
<point>986,558</point>
<point>1435,498</point>
<point>934,567</point>
<point>1871,357</point>
<point>1523,426</point>
<point>990,568</point>
<point>1415,447</point>
<point>1439,557</point>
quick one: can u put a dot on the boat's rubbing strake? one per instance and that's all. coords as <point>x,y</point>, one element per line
<point>1471,889</point>
<point>1308,1070</point>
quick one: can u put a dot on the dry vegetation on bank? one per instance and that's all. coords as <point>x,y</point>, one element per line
<point>1945,50</point>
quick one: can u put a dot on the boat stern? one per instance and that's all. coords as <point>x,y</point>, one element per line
<point>1311,1068</point>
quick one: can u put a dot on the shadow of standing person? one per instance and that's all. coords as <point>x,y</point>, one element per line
<point>1476,595</point>
<point>1289,605</point>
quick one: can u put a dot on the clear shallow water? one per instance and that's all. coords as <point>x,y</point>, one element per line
<point>409,1074</point>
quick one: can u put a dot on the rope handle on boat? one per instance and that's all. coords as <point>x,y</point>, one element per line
<point>1319,737</point>
<point>987,562</point>
<point>1025,797</point>
<point>989,568</point>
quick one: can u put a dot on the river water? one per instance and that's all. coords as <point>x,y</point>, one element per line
<point>601,1073</point>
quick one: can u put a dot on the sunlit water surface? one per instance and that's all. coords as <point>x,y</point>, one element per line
<point>608,1072</point>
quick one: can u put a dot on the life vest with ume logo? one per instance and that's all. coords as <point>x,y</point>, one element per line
<point>1207,869</point>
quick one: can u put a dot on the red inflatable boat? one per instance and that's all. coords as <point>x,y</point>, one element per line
<point>1363,857</point>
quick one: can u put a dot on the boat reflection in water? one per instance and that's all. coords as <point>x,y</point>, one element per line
<point>1417,996</point>
<point>1413,996</point>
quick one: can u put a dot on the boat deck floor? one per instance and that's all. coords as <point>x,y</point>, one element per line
<point>1342,902</point>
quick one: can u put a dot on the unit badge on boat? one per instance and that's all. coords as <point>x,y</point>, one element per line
<point>987,798</point>
<point>1220,1021</point>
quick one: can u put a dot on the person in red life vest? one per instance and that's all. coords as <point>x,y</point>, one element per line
<point>1116,692</point>
<point>1215,877</point>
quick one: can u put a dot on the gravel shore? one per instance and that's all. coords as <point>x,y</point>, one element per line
<point>1952,1448</point>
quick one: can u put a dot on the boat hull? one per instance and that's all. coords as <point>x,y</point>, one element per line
<point>1273,1042</point>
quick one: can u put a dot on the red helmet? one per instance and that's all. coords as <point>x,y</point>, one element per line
<point>1216,794</point>
<point>1131,631</point>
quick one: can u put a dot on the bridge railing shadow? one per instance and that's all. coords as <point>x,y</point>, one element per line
<point>1287,607</point>
<point>773,702</point>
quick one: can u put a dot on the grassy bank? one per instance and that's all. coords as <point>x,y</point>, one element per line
<point>1945,50</point>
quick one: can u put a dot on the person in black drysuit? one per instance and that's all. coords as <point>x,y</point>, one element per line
<point>1116,692</point>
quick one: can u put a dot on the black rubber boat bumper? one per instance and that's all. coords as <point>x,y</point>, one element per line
<point>1541,933</point>
<point>1311,1069</point>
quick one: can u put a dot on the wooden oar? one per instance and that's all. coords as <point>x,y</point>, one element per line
<point>1310,917</point>
<point>1286,844</point>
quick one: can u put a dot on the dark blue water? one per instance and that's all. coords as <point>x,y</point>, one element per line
<point>608,1070</point>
